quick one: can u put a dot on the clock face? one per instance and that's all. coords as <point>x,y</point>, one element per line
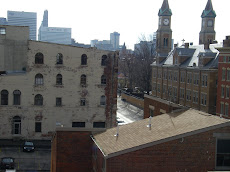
<point>210,23</point>
<point>166,22</point>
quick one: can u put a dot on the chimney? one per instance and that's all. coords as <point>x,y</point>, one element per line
<point>175,45</point>
<point>186,45</point>
<point>206,46</point>
<point>227,41</point>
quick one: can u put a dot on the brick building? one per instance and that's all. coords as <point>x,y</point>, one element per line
<point>187,140</point>
<point>61,86</point>
<point>223,94</point>
<point>186,75</point>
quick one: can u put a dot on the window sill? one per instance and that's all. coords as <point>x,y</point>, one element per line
<point>59,85</point>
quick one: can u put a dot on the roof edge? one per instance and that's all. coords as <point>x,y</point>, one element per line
<point>168,139</point>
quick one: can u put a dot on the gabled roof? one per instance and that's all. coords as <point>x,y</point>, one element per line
<point>193,53</point>
<point>165,10</point>
<point>166,127</point>
<point>208,12</point>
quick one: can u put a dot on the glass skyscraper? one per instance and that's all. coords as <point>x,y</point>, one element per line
<point>21,18</point>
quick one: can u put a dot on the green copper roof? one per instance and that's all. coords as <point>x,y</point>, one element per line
<point>208,12</point>
<point>165,10</point>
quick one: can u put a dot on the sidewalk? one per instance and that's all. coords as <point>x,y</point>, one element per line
<point>14,143</point>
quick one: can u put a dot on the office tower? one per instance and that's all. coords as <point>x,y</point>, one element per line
<point>114,40</point>
<point>21,18</point>
<point>3,21</point>
<point>57,35</point>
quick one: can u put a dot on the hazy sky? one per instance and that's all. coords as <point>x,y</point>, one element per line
<point>96,19</point>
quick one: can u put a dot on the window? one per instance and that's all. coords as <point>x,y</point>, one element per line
<point>4,97</point>
<point>103,79</point>
<point>175,92</point>
<point>182,76</point>
<point>222,91</point>
<point>224,59</point>
<point>39,58</point>
<point>226,109</point>
<point>2,31</point>
<point>188,95</point>
<point>182,93</point>
<point>223,154</point>
<point>83,80</point>
<point>164,89</point>
<point>195,97</point>
<point>222,108</point>
<point>102,100</point>
<point>227,92</point>
<point>78,124</point>
<point>196,79</point>
<point>204,80</point>
<point>165,42</point>
<point>228,75</point>
<point>38,100</point>
<point>59,79</point>
<point>165,75</point>
<point>39,79</point>
<point>159,74</point>
<point>103,60</point>
<point>203,99</point>
<point>99,125</point>
<point>189,78</point>
<point>17,97</point>
<point>58,101</point>
<point>158,88</point>
<point>59,58</point>
<point>83,102</point>
<point>38,127</point>
<point>16,125</point>
<point>223,74</point>
<point>151,112</point>
<point>154,73</point>
<point>84,59</point>
<point>175,76</point>
<point>154,86</point>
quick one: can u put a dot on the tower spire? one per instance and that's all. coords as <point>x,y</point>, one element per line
<point>165,10</point>
<point>208,11</point>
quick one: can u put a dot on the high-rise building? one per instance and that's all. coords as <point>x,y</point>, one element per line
<point>21,18</point>
<point>3,21</point>
<point>115,39</point>
<point>57,35</point>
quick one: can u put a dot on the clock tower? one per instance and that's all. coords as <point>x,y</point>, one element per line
<point>207,33</point>
<point>164,32</point>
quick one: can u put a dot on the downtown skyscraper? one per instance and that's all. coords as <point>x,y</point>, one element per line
<point>21,18</point>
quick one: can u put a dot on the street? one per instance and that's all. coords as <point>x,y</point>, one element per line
<point>127,113</point>
<point>28,161</point>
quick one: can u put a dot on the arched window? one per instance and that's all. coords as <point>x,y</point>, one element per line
<point>4,97</point>
<point>103,79</point>
<point>59,58</point>
<point>83,80</point>
<point>39,58</point>
<point>59,79</point>
<point>102,100</point>
<point>84,59</point>
<point>17,97</point>
<point>16,125</point>
<point>39,79</point>
<point>38,100</point>
<point>103,60</point>
<point>165,42</point>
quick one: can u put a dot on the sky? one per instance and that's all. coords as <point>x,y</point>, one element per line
<point>96,19</point>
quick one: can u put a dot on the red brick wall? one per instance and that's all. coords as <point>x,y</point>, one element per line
<point>193,154</point>
<point>98,159</point>
<point>158,105</point>
<point>71,151</point>
<point>222,82</point>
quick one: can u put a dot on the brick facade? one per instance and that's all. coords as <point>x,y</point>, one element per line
<point>194,153</point>
<point>223,93</point>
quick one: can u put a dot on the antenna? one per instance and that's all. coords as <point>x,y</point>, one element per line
<point>149,125</point>
<point>117,134</point>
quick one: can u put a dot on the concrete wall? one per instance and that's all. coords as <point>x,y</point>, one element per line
<point>138,102</point>
<point>13,48</point>
<point>70,91</point>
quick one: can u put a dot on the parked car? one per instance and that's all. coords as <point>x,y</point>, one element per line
<point>7,163</point>
<point>28,146</point>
